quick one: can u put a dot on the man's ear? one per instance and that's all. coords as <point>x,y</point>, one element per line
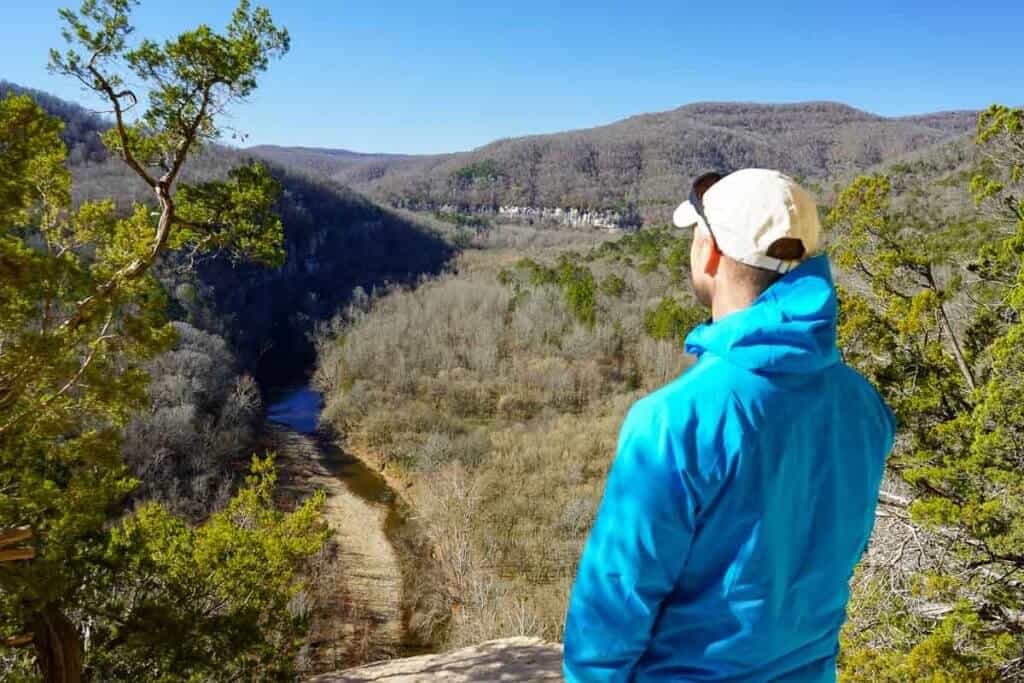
<point>714,257</point>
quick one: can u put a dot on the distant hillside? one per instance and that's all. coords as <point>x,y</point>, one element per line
<point>329,162</point>
<point>643,161</point>
<point>82,127</point>
<point>335,239</point>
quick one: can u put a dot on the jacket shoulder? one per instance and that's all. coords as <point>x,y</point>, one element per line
<point>877,407</point>
<point>699,423</point>
<point>707,387</point>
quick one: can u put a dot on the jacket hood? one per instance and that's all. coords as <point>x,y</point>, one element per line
<point>789,329</point>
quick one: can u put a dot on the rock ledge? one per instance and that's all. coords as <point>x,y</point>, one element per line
<point>508,659</point>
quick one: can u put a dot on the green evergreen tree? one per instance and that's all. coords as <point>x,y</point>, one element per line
<point>672,321</point>
<point>956,382</point>
<point>580,290</point>
<point>79,312</point>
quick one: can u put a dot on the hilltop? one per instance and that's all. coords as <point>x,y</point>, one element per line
<point>640,163</point>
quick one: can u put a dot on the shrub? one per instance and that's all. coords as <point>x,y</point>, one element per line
<point>669,320</point>
<point>613,285</point>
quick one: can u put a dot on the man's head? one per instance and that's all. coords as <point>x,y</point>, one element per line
<point>751,227</point>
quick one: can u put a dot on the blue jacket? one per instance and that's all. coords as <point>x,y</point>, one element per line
<point>741,498</point>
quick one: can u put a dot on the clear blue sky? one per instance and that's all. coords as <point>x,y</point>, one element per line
<point>418,76</point>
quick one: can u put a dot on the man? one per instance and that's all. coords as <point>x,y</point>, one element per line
<point>744,492</point>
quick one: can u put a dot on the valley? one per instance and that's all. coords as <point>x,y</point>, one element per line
<point>441,350</point>
<point>498,414</point>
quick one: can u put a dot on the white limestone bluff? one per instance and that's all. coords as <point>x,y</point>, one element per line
<point>507,659</point>
<point>570,217</point>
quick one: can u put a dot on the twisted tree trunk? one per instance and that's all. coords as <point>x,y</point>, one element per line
<point>58,647</point>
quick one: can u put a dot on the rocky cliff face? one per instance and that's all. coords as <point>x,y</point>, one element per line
<point>568,217</point>
<point>571,217</point>
<point>508,659</point>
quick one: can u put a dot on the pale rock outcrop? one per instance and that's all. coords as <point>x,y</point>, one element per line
<point>508,659</point>
<point>571,217</point>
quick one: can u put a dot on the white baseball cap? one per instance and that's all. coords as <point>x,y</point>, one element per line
<point>747,211</point>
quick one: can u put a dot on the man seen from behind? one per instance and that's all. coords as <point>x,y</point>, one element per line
<point>744,492</point>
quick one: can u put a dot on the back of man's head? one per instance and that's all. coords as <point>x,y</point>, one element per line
<point>756,280</point>
<point>752,227</point>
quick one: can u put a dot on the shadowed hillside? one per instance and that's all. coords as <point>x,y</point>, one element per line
<point>335,239</point>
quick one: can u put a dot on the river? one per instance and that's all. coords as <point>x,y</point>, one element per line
<point>364,614</point>
<point>299,410</point>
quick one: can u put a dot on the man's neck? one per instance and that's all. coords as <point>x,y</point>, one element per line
<point>729,303</point>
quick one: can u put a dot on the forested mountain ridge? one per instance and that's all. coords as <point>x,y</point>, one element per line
<point>335,240</point>
<point>819,140</point>
<point>639,163</point>
<point>325,160</point>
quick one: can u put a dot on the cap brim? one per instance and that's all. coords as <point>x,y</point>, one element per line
<point>686,216</point>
